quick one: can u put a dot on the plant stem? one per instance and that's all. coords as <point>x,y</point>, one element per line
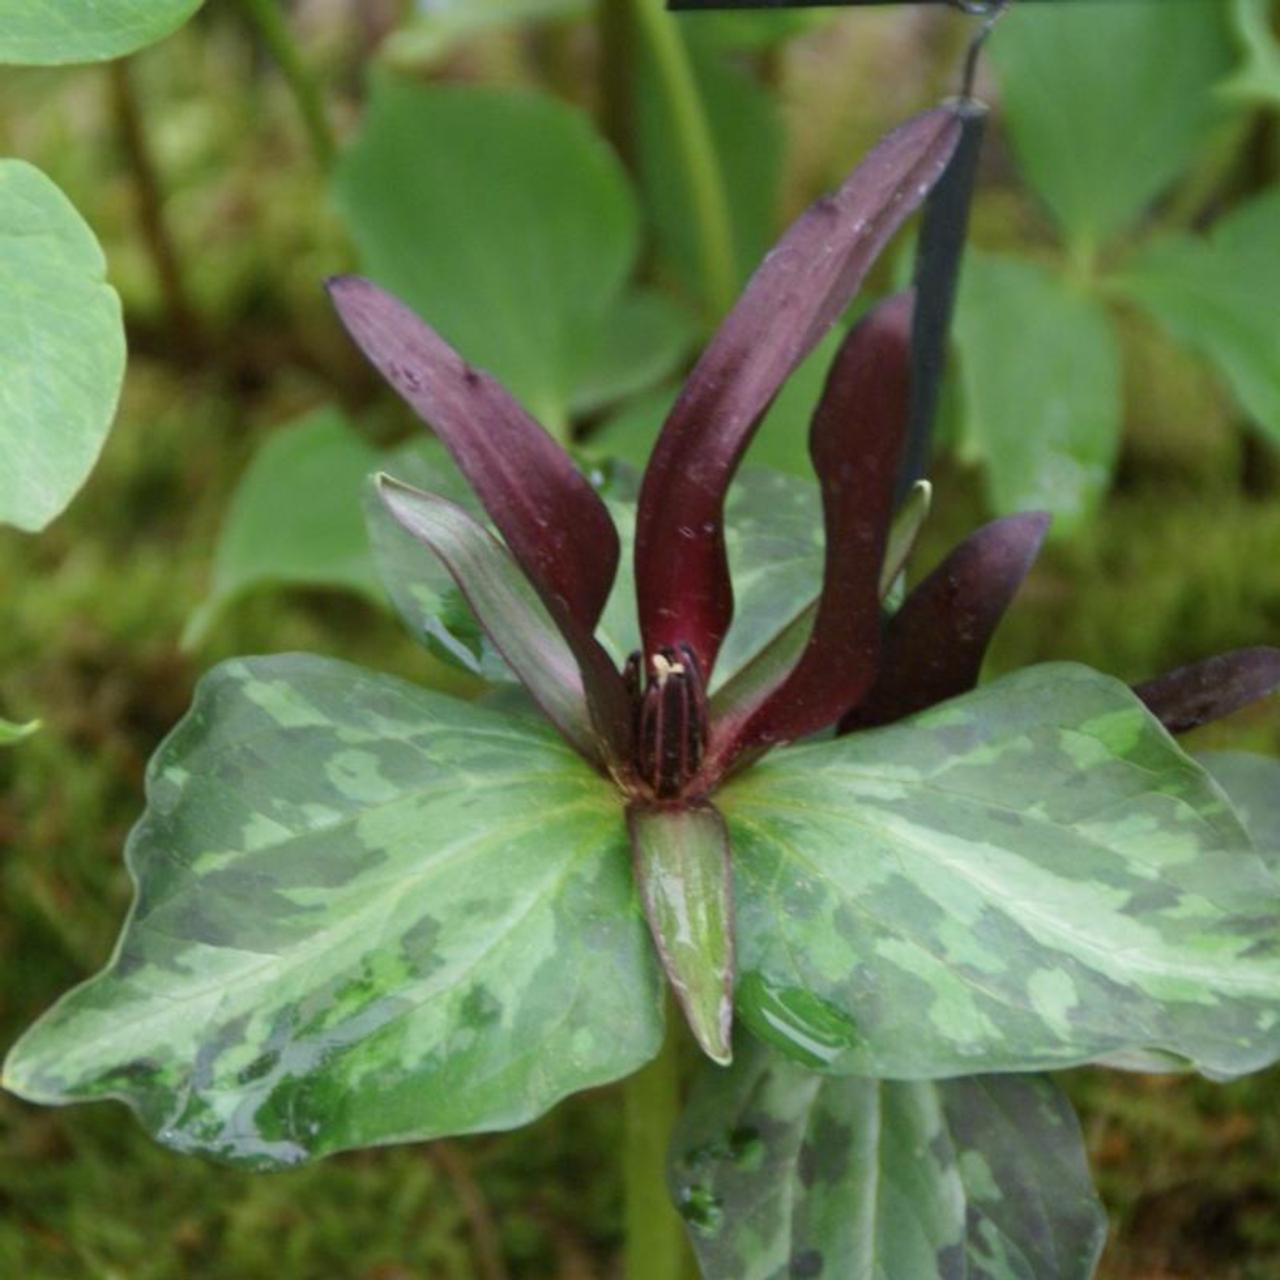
<point>655,1242</point>
<point>182,319</point>
<point>274,30</point>
<point>704,177</point>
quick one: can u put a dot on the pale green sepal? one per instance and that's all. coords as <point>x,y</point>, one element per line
<point>1033,875</point>
<point>682,869</point>
<point>365,914</point>
<point>780,1172</point>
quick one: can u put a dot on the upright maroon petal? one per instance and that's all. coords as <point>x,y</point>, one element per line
<point>856,444</point>
<point>934,644</point>
<point>801,288</point>
<point>1193,695</point>
<point>555,524</point>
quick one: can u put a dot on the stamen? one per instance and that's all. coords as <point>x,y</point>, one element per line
<point>670,719</point>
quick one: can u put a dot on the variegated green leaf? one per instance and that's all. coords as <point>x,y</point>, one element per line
<point>365,914</point>
<point>1032,875</point>
<point>783,1173</point>
<point>1252,783</point>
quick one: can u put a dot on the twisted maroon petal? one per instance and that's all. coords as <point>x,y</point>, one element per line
<point>1193,695</point>
<point>934,645</point>
<point>801,288</point>
<point>554,523</point>
<point>856,444</point>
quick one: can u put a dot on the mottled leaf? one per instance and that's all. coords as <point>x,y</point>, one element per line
<point>1032,875</point>
<point>49,32</point>
<point>365,914</point>
<point>681,859</point>
<point>794,298</point>
<point>780,1172</point>
<point>1252,783</point>
<point>1040,371</point>
<point>500,217</point>
<point>62,347</point>
<point>1097,146</point>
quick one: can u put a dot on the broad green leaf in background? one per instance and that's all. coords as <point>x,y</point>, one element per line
<point>440,25</point>
<point>1252,782</point>
<point>1218,294</point>
<point>365,914</point>
<point>11,733</point>
<point>62,348</point>
<point>747,131</point>
<point>1099,146</point>
<point>1041,385</point>
<point>782,1172</point>
<point>506,222</point>
<point>49,32</point>
<point>295,517</point>
<point>1033,875</point>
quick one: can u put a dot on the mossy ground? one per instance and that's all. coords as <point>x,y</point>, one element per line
<point>1181,561</point>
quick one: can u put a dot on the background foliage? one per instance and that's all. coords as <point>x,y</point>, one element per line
<point>1116,359</point>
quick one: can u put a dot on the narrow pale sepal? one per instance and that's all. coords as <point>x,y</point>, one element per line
<point>682,869</point>
<point>565,670</point>
<point>934,645</point>
<point>798,292</point>
<point>856,444</point>
<point>555,524</point>
<point>1193,695</point>
<point>904,532</point>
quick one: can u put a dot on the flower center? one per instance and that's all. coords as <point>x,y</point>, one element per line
<point>669,718</point>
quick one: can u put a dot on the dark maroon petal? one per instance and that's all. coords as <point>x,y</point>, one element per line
<point>934,645</point>
<point>856,444</point>
<point>801,288</point>
<point>559,662</point>
<point>1190,696</point>
<point>553,521</point>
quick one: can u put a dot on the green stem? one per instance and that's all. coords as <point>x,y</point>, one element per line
<point>274,30</point>
<point>655,1243</point>
<point>703,174</point>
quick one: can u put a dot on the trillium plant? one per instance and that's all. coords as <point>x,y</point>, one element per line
<point>882,896</point>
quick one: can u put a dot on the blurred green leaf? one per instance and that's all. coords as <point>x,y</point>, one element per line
<point>48,32</point>
<point>640,342</point>
<point>505,221</point>
<point>440,25</point>
<point>1040,371</point>
<point>779,1171</point>
<point>756,30</point>
<point>748,135</point>
<point>11,733</point>
<point>295,517</point>
<point>1219,295</point>
<point>62,348</point>
<point>1107,103</point>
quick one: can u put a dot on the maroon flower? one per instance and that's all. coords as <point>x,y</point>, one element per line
<point>653,727</point>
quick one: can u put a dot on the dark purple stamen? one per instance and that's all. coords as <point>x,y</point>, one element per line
<point>670,702</point>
